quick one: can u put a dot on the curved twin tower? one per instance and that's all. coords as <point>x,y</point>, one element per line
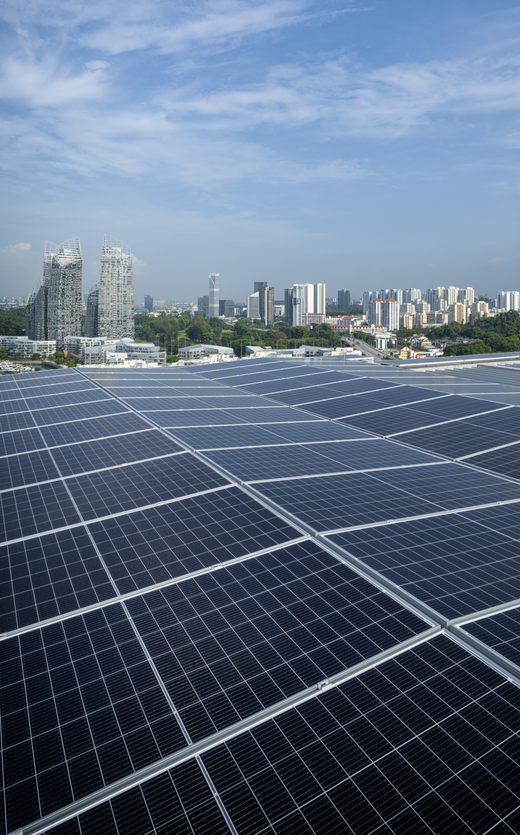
<point>54,307</point>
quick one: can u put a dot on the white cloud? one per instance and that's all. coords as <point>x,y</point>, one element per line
<point>496,261</point>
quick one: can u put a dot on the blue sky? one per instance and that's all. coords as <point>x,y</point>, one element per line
<point>366,145</point>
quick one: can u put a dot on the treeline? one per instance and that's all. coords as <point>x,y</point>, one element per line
<point>12,322</point>
<point>494,334</point>
<point>174,332</point>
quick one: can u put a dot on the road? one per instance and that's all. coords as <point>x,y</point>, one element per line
<point>367,349</point>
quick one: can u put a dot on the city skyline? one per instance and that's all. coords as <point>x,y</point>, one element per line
<point>287,140</point>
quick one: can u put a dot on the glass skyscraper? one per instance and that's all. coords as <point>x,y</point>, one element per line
<point>213,295</point>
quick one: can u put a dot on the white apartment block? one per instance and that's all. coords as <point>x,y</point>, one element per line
<point>27,347</point>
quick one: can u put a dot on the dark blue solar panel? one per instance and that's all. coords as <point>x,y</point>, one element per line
<point>49,575</point>
<point>22,420</point>
<point>31,510</point>
<point>44,401</point>
<point>319,378</point>
<point>394,421</point>
<point>437,753</point>
<point>320,393</point>
<point>28,468</point>
<point>83,430</point>
<point>340,501</point>
<point>448,562</point>
<point>455,439</point>
<point>254,435</point>
<point>108,452</point>
<point>160,543</point>
<point>179,801</point>
<point>501,632</point>
<point>8,407</point>
<point>310,459</point>
<point>118,722</point>
<point>46,417</point>
<point>242,638</point>
<point>505,461</point>
<point>138,485</point>
<point>450,485</point>
<point>20,441</point>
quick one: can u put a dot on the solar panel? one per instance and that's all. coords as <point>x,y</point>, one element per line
<point>108,452</point>
<point>83,429</point>
<point>349,761</point>
<point>47,417</point>
<point>501,632</point>
<point>161,543</point>
<point>505,461</point>
<point>29,468</point>
<point>30,510</point>
<point>184,653</point>
<point>245,637</point>
<point>50,575</point>
<point>137,485</point>
<point>24,440</point>
<point>266,463</point>
<point>446,561</point>
<point>120,723</point>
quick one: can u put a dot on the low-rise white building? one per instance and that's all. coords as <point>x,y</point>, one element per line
<point>200,351</point>
<point>27,347</point>
<point>98,350</point>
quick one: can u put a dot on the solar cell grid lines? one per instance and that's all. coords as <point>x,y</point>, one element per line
<point>456,438</point>
<point>20,441</point>
<point>115,490</point>
<point>319,394</point>
<point>31,468</point>
<point>160,543</point>
<point>140,581</point>
<point>179,801</point>
<point>34,509</point>
<point>108,452</point>
<point>50,575</point>
<point>59,746</point>
<point>504,461</point>
<point>501,632</point>
<point>64,414</point>
<point>229,437</point>
<point>233,642</point>
<point>346,761</point>
<point>309,459</point>
<point>446,562</point>
<point>343,500</point>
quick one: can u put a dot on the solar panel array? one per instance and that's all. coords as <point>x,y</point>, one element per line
<point>260,597</point>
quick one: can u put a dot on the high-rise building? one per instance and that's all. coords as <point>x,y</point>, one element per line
<point>412,294</point>
<point>390,314</point>
<point>116,291</point>
<point>320,303</point>
<point>368,296</point>
<point>36,311</point>
<point>259,286</point>
<point>375,313</point>
<point>343,299</point>
<point>64,265</point>
<point>213,295</point>
<point>253,306</point>
<point>266,305</point>
<point>148,303</point>
<point>203,306</point>
<point>226,307</point>
<point>299,299</point>
<point>508,300</point>
<point>451,295</point>
<point>91,319</point>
